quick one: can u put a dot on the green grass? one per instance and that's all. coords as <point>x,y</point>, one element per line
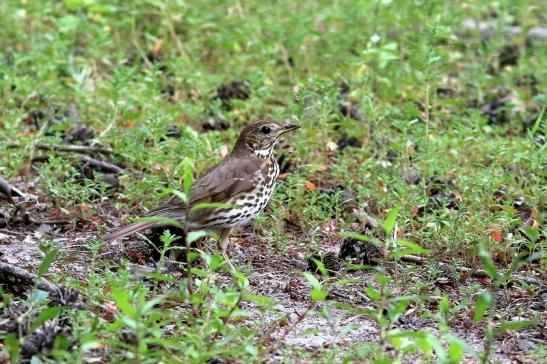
<point>95,57</point>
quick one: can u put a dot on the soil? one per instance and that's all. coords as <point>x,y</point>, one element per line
<point>278,277</point>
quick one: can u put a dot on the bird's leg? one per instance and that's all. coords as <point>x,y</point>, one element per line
<point>223,244</point>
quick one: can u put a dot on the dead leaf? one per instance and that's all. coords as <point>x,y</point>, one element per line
<point>496,235</point>
<point>464,276</point>
<point>128,124</point>
<point>109,310</point>
<point>310,186</point>
<point>84,207</point>
<point>157,47</point>
<point>282,176</point>
<point>332,146</point>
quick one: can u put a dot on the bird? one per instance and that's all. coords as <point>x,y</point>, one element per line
<point>237,188</point>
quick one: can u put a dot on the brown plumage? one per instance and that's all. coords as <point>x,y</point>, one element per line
<point>244,180</point>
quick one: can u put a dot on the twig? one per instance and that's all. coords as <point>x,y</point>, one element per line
<point>106,166</point>
<point>50,222</point>
<point>68,148</point>
<point>22,274</point>
<point>9,232</point>
<point>40,159</point>
<point>6,190</point>
<point>475,273</point>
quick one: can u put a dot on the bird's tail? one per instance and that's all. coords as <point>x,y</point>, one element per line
<point>131,229</point>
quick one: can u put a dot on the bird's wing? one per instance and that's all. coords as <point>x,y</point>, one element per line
<point>228,178</point>
<point>231,177</point>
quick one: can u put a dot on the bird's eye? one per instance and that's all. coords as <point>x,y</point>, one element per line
<point>265,129</point>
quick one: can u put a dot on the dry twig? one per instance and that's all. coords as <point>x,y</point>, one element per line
<point>7,190</point>
<point>105,166</point>
<point>69,148</point>
<point>27,277</point>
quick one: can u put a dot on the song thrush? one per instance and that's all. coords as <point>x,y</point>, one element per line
<point>243,180</point>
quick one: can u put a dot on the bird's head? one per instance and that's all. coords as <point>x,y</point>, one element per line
<point>261,136</point>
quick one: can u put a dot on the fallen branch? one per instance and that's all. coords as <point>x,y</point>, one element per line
<point>27,277</point>
<point>9,232</point>
<point>105,166</point>
<point>49,222</point>
<point>489,29</point>
<point>69,148</point>
<point>475,273</point>
<point>7,190</point>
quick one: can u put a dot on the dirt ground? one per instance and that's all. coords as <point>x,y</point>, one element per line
<point>278,277</point>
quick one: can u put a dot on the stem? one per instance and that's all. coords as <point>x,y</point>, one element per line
<point>487,343</point>
<point>427,101</point>
<point>189,276</point>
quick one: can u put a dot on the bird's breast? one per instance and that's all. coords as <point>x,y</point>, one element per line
<point>246,205</point>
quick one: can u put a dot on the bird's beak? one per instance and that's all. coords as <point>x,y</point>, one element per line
<point>289,127</point>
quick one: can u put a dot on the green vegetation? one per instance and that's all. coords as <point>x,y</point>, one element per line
<point>434,130</point>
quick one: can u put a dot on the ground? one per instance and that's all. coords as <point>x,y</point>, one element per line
<point>407,224</point>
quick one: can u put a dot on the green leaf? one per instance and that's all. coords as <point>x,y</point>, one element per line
<point>45,315</point>
<point>319,264</point>
<point>444,305</point>
<point>149,305</point>
<point>538,122</point>
<point>408,247</point>
<point>516,325</point>
<point>167,238</point>
<point>122,299</point>
<point>60,343</point>
<point>161,277</point>
<point>532,233</point>
<point>487,262</point>
<point>199,272</point>
<point>188,176</point>
<point>313,281</point>
<point>389,223</point>
<point>372,293</point>
<point>46,262</point>
<point>242,281</point>
<point>261,300</point>
<point>68,23</point>
<point>398,309</point>
<point>13,346</point>
<point>181,195</point>
<point>213,261</point>
<point>252,350</point>
<point>318,294</point>
<point>382,279</point>
<point>437,347</point>
<point>195,235</point>
<point>74,5</point>
<point>356,236</point>
<point>456,348</point>
<point>484,302</point>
